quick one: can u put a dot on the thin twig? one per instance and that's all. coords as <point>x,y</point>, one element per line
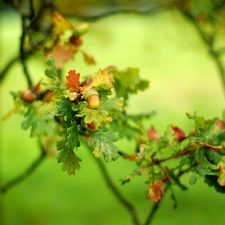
<point>129,207</point>
<point>26,173</point>
<point>210,44</point>
<point>8,66</point>
<point>22,52</point>
<point>32,12</point>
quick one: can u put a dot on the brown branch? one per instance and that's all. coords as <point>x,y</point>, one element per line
<point>8,66</point>
<point>26,173</point>
<point>209,41</point>
<point>22,52</point>
<point>126,204</point>
<point>178,154</point>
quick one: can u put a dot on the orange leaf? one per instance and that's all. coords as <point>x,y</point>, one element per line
<point>156,191</point>
<point>73,81</point>
<point>60,24</point>
<point>62,54</point>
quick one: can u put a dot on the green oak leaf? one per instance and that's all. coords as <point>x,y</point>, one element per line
<point>102,143</point>
<point>199,122</point>
<point>98,117</point>
<point>51,72</point>
<point>111,105</point>
<point>36,119</point>
<point>128,82</point>
<point>66,147</point>
<point>128,78</point>
<point>70,161</point>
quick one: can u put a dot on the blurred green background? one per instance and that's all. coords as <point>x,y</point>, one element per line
<point>183,78</point>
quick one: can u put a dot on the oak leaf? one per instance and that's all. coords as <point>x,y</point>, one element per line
<point>153,134</point>
<point>73,81</point>
<point>62,54</point>
<point>179,134</point>
<point>155,191</point>
<point>60,24</point>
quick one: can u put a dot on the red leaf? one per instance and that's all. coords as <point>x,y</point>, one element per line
<point>180,135</point>
<point>153,134</point>
<point>155,191</point>
<point>73,80</point>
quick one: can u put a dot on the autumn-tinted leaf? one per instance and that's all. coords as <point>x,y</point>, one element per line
<point>73,81</point>
<point>60,24</point>
<point>62,54</point>
<point>100,81</point>
<point>221,178</point>
<point>153,134</point>
<point>155,191</point>
<point>102,143</point>
<point>88,59</point>
<point>98,117</point>
<point>179,134</point>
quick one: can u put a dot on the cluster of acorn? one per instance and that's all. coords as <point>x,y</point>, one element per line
<point>91,96</point>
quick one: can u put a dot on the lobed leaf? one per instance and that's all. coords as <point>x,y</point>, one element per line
<point>102,143</point>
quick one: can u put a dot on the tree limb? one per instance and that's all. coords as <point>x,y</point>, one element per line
<point>26,173</point>
<point>126,204</point>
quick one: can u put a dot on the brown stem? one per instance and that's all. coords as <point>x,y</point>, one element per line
<point>26,173</point>
<point>127,205</point>
<point>209,41</point>
<point>8,66</point>
<point>22,52</point>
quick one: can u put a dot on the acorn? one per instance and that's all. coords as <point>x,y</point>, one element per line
<point>92,98</point>
<point>28,96</point>
<point>92,126</point>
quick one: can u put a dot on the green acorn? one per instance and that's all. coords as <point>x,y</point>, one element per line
<point>92,98</point>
